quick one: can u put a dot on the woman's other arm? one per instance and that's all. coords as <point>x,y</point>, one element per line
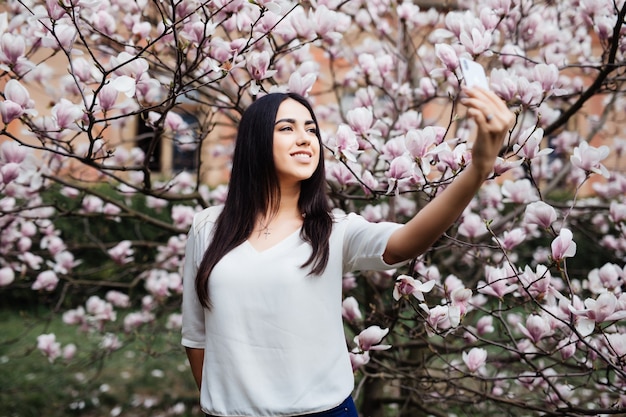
<point>196,360</point>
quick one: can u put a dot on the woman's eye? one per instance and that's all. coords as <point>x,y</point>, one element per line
<point>285,128</point>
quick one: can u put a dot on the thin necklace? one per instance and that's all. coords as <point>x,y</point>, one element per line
<point>265,229</point>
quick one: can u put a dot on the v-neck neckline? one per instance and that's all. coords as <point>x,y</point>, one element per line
<point>275,245</point>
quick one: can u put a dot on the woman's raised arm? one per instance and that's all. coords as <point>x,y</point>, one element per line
<point>493,119</point>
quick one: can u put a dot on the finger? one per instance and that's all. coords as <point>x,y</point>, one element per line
<point>489,104</point>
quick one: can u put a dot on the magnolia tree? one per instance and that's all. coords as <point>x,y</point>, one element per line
<point>517,310</point>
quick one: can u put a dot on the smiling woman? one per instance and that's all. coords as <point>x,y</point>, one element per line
<point>262,322</point>
<point>296,146</point>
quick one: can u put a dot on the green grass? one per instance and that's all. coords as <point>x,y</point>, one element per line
<point>148,376</point>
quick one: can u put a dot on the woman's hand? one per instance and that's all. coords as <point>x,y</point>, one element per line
<point>493,119</point>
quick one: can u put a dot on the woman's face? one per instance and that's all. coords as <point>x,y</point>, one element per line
<point>296,148</point>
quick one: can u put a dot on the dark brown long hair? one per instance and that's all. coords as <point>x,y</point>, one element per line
<point>254,187</point>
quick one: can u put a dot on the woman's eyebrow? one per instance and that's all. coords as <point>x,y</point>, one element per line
<point>293,121</point>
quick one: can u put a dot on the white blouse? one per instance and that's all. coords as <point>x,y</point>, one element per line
<point>273,342</point>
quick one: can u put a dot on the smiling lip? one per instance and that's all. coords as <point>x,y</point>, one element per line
<point>302,153</point>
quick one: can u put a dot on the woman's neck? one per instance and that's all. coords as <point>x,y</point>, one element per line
<point>287,206</point>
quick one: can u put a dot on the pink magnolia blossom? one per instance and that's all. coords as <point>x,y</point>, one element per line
<point>75,316</point>
<point>451,283</point>
<point>174,122</point>
<point>55,9</point>
<point>609,277</point>
<point>174,321</point>
<point>358,359</point>
<point>46,281</point>
<point>528,145</point>
<point>110,342</point>
<point>302,24</point>
<point>182,216</point>
<point>360,120</point>
<point>540,213</point>
<point>69,351</point>
<point>370,338</point>
<point>407,285</point>
<point>48,345</point>
<point>92,204</point>
<point>99,309</point>
<point>7,276</point>
<point>301,83</point>
<point>133,321</point>
<point>122,253</point>
<point>66,114</point>
<point>340,174</point>
<point>460,298</point>
<point>616,344</point>
<point>64,262</point>
<point>454,22</point>
<point>519,192</point>
<point>401,172</point>
<point>530,92</point>
<point>453,159</point>
<point>258,65</point>
<point>393,148</point>
<point>485,325</point>
<point>158,283</point>
<point>567,348</point>
<point>24,244</point>
<point>348,282</point>
<point>345,143</point>
<point>511,238</point>
<point>547,75</point>
<point>499,282</point>
<point>605,308</point>
<point>62,37</point>
<point>472,226</point>
<point>118,299</point>
<point>538,283</point>
<point>17,101</point>
<point>537,327</point>
<point>426,88</point>
<point>12,48</point>
<point>503,83</point>
<point>617,212</point>
<point>124,84</point>
<point>563,246</point>
<point>419,143</point>
<point>350,309</point>
<point>53,243</point>
<point>9,172</point>
<point>12,152</point>
<point>104,22</point>
<point>107,97</point>
<point>325,22</point>
<point>588,158</point>
<point>129,65</point>
<point>475,359</point>
<point>447,55</point>
<point>476,42</point>
<point>438,318</point>
<point>504,165</point>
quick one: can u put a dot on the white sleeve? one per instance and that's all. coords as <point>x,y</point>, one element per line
<point>364,244</point>
<point>193,330</point>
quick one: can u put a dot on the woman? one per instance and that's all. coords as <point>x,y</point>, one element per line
<point>262,320</point>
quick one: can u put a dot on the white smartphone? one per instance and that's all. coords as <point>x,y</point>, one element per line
<point>473,73</point>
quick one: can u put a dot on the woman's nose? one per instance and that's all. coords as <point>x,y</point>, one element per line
<point>303,138</point>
